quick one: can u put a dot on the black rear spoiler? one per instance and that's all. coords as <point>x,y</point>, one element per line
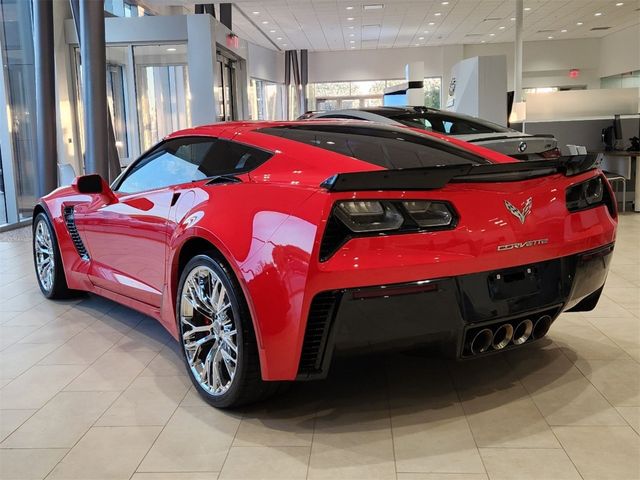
<point>522,137</point>
<point>430,178</point>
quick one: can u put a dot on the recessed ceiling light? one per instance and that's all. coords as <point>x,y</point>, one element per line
<point>564,30</point>
<point>437,14</point>
<point>445,3</point>
<point>352,34</point>
<point>501,28</point>
<point>597,14</point>
<point>375,6</point>
<point>256,13</point>
<point>426,31</point>
<point>483,41</point>
<point>527,9</point>
<point>579,23</point>
<point>264,22</point>
<point>513,19</point>
<point>279,38</point>
<point>417,44</point>
<point>350,18</point>
<point>349,8</point>
<point>550,37</point>
<point>351,27</point>
<point>431,23</point>
<point>272,31</point>
<point>171,49</point>
<point>353,47</point>
<point>492,34</point>
<point>420,38</point>
<point>619,4</point>
<point>352,41</point>
<point>284,44</point>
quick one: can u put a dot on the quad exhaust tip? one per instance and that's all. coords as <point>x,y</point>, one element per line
<point>502,336</point>
<point>522,332</point>
<point>541,327</point>
<point>482,341</point>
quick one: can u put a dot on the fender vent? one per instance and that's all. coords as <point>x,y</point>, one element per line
<point>73,232</point>
<point>315,337</point>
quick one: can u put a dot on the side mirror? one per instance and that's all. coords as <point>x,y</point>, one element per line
<point>89,183</point>
<point>94,184</point>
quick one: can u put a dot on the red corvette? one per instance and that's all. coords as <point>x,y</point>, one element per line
<point>266,247</point>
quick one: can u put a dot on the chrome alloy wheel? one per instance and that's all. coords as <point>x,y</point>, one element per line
<point>208,327</point>
<point>45,259</point>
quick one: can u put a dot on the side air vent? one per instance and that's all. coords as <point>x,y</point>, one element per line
<point>73,232</point>
<point>335,234</point>
<point>315,337</point>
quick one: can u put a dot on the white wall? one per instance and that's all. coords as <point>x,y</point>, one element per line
<point>545,63</point>
<point>620,52</point>
<point>265,64</point>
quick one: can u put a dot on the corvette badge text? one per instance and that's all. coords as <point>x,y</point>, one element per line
<point>528,243</point>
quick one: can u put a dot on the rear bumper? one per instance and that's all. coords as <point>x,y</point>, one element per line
<point>449,312</point>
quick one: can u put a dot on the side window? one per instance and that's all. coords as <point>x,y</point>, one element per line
<point>172,163</point>
<point>188,159</point>
<point>229,158</point>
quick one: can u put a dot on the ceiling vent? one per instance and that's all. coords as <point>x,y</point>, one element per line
<point>491,19</point>
<point>545,31</point>
<point>473,35</point>
<point>596,29</point>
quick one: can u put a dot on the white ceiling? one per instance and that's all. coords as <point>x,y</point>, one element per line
<point>343,25</point>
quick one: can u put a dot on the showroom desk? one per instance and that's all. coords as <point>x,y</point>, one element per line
<point>621,162</point>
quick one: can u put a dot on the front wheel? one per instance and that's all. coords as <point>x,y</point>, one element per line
<point>217,336</point>
<point>47,260</point>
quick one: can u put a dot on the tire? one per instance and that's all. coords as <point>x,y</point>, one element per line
<point>48,265</point>
<point>210,364</point>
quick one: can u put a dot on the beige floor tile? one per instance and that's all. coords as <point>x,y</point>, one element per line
<point>37,386</point>
<point>11,334</point>
<point>83,349</point>
<point>442,476</point>
<point>580,339</point>
<point>147,401</point>
<point>175,476</point>
<point>113,371</point>
<point>148,334</point>
<point>608,308</point>
<point>28,463</point>
<point>353,445</point>
<point>542,357</point>
<point>12,419</point>
<point>506,418</point>
<point>284,421</point>
<point>603,452</point>
<point>22,302</point>
<point>34,317</point>
<point>624,331</point>
<point>193,399</point>
<point>169,362</point>
<point>617,380</point>
<point>438,441</point>
<point>195,439</point>
<point>528,464</point>
<point>58,330</point>
<point>632,416</point>
<point>109,453</point>
<point>18,358</point>
<point>62,421</point>
<point>265,463</point>
<point>570,399</point>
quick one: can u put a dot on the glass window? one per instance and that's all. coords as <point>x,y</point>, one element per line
<point>432,92</point>
<point>162,91</point>
<point>387,147</point>
<point>184,160</point>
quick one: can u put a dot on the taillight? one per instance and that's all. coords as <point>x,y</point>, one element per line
<point>357,218</point>
<point>589,194</point>
<point>553,153</point>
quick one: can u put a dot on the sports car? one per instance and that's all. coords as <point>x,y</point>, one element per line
<point>522,146</point>
<point>266,248</point>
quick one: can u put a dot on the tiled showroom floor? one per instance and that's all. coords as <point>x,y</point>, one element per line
<point>93,390</point>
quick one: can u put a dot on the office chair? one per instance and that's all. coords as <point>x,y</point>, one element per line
<point>613,178</point>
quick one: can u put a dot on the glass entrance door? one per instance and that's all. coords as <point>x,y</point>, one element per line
<point>226,89</point>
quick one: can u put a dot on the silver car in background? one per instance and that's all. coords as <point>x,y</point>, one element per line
<point>470,129</point>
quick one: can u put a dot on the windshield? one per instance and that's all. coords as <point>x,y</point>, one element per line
<point>447,124</point>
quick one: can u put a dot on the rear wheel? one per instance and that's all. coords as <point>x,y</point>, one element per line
<point>47,260</point>
<point>217,336</point>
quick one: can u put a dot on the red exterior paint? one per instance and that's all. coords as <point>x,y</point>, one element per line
<point>269,229</point>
